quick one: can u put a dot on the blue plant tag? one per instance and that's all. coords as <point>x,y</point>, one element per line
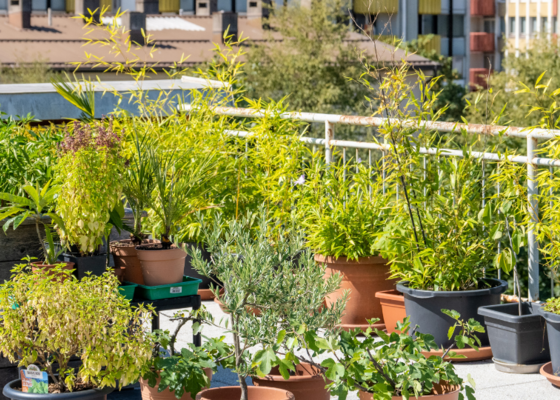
<point>33,380</point>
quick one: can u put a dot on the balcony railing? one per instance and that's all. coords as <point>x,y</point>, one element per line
<point>376,6</point>
<point>484,8</point>
<point>532,136</point>
<point>478,77</point>
<point>482,42</point>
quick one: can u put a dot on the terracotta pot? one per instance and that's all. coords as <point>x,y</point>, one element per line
<point>444,392</point>
<point>392,305</point>
<point>364,278</point>
<point>256,311</point>
<point>307,384</point>
<point>161,267</point>
<point>38,265</point>
<point>151,393</point>
<point>127,260</point>
<point>254,393</point>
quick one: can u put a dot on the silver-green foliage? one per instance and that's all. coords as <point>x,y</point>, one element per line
<point>270,276</point>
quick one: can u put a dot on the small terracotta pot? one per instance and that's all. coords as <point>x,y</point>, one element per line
<point>256,311</point>
<point>444,392</point>
<point>254,393</point>
<point>364,278</point>
<point>307,384</point>
<point>127,260</point>
<point>161,266</point>
<point>392,305</point>
<point>151,393</point>
<point>38,265</point>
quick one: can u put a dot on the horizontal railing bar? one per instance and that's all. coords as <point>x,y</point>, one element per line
<point>433,151</point>
<point>378,121</point>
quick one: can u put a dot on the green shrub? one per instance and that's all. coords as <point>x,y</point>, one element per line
<point>49,317</point>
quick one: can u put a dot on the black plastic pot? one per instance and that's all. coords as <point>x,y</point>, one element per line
<point>93,264</point>
<point>553,328</point>
<point>516,339</point>
<point>91,394</point>
<point>424,308</point>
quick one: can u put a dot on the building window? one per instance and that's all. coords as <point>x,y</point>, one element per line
<point>489,25</point>
<point>512,25</point>
<point>544,25</point>
<point>553,24</point>
<point>534,24</point>
<point>458,26</point>
<point>522,25</point>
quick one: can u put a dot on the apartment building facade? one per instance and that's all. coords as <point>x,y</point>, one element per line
<point>469,31</point>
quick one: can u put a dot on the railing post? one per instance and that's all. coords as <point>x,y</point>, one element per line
<point>532,194</point>
<point>329,135</point>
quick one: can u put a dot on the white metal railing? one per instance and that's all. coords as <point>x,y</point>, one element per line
<point>531,135</point>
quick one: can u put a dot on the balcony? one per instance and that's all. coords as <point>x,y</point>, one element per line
<point>482,42</point>
<point>430,43</point>
<point>483,8</point>
<point>429,7</point>
<point>478,78</point>
<point>376,6</point>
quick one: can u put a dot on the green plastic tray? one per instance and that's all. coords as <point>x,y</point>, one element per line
<point>188,287</point>
<point>127,290</point>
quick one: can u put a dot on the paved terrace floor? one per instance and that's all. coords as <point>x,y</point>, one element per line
<point>490,383</point>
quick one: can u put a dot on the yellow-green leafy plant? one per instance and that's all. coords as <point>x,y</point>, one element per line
<point>49,317</point>
<point>344,209</point>
<point>90,172</point>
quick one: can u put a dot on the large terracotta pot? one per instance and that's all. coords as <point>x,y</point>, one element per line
<point>254,393</point>
<point>307,384</point>
<point>161,266</point>
<point>442,393</point>
<point>126,259</point>
<point>38,265</point>
<point>151,393</point>
<point>392,305</point>
<point>364,278</point>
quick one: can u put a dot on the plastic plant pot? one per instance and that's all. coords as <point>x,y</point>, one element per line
<point>11,392</point>
<point>553,328</point>
<point>424,308</point>
<point>516,339</point>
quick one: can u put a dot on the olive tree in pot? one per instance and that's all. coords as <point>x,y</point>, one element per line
<point>99,327</point>
<point>516,331</point>
<point>90,173</point>
<point>138,185</point>
<point>257,271</point>
<point>182,373</point>
<point>393,366</point>
<point>38,206</point>
<point>180,185</point>
<point>344,212</point>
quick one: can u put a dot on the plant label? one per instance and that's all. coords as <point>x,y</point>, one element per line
<point>176,290</point>
<point>33,380</point>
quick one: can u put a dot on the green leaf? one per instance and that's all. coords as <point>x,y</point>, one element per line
<point>334,369</point>
<point>281,336</point>
<point>12,198</point>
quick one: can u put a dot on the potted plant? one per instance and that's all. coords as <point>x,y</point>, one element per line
<point>393,366</point>
<point>442,244</point>
<point>343,216</point>
<point>99,327</point>
<point>180,185</point>
<point>39,207</point>
<point>138,185</point>
<point>182,373</point>
<point>90,171</point>
<point>257,271</point>
<point>516,331</point>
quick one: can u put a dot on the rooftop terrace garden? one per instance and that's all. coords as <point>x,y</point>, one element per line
<point>304,249</point>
